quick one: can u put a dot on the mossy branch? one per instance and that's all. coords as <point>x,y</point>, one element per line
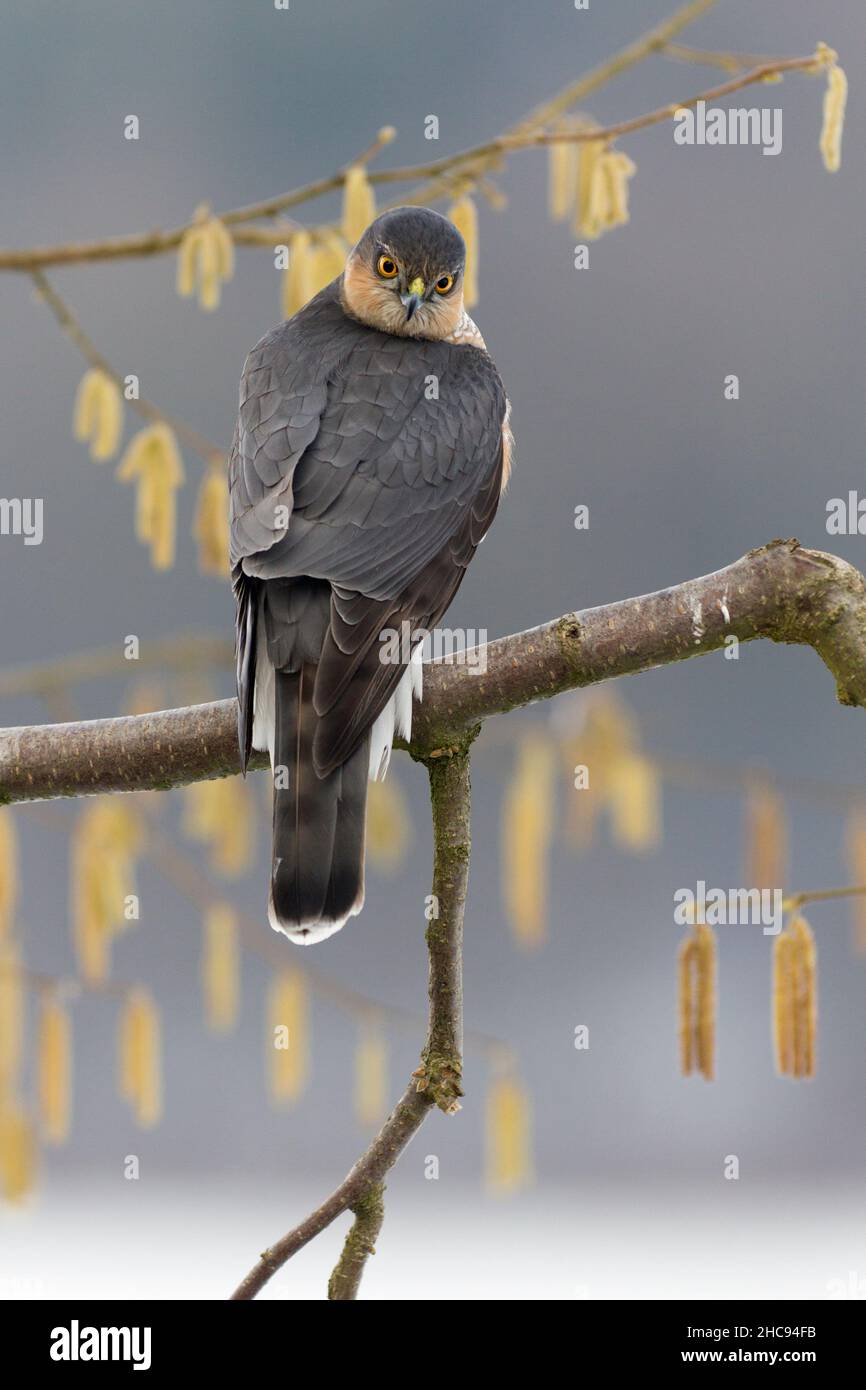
<point>781,592</point>
<point>435,1083</point>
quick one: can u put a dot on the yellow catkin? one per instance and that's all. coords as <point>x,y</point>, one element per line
<point>855,848</point>
<point>696,968</point>
<point>805,998</point>
<point>584,802</point>
<point>371,1075</point>
<point>288,1043</point>
<point>595,732</point>
<point>98,415</point>
<point>632,792</point>
<point>835,97</point>
<point>686,965</point>
<point>8,871</point>
<point>562,164</point>
<point>327,261</point>
<point>783,1002</point>
<point>586,203</point>
<point>205,260</point>
<point>220,968</point>
<point>105,843</point>
<point>140,1060</point>
<point>17,1151</point>
<point>527,826</point>
<point>602,189</point>
<point>389,827</point>
<point>618,169</point>
<point>153,462</point>
<point>766,839</point>
<point>220,815</point>
<point>211,522</point>
<point>359,204</point>
<point>509,1163</point>
<point>12,1006</point>
<point>464,215</point>
<point>298,276</point>
<point>54,1070</point>
<point>705,1006</point>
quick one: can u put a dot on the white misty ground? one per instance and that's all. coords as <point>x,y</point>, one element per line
<point>194,1238</point>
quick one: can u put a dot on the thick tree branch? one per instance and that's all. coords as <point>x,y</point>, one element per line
<point>781,592</point>
<point>436,1081</point>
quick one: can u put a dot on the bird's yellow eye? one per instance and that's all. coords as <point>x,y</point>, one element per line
<point>387,267</point>
<point>444,283</point>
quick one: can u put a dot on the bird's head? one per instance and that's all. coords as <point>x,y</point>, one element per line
<point>405,275</point>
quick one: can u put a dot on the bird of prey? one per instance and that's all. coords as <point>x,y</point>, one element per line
<point>370,453</point>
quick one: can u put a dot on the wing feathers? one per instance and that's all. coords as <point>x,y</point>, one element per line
<point>388,488</point>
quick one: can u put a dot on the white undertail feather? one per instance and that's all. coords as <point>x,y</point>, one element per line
<point>264,716</point>
<point>394,721</point>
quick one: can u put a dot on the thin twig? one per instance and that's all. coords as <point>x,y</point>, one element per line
<point>153,243</point>
<point>664,113</point>
<point>711,58</point>
<point>72,328</point>
<point>820,895</point>
<point>188,651</point>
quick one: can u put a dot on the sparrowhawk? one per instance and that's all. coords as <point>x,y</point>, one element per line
<point>371,449</point>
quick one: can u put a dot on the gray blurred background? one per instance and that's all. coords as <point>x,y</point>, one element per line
<point>732,263</point>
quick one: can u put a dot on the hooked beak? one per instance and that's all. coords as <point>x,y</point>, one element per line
<point>412,297</point>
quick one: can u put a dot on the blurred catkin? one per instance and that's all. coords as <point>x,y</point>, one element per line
<point>835,97</point>
<point>766,838</point>
<point>359,204</point>
<point>205,260</point>
<point>98,415</point>
<point>855,848</point>
<point>152,461</point>
<point>633,795</point>
<point>464,214</point>
<point>211,523</point>
<point>54,1069</point>
<point>327,260</point>
<point>783,1002</point>
<point>527,825</point>
<point>106,839</point>
<point>220,969</point>
<point>288,1040</point>
<point>12,1005</point>
<point>686,971</point>
<point>298,275</point>
<point>18,1151</point>
<point>696,969</point>
<point>795,1000</point>
<point>389,827</point>
<point>220,814</point>
<point>8,871</point>
<point>509,1164</point>
<point>602,189</point>
<point>140,1061</point>
<point>562,165</point>
<point>371,1075</point>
